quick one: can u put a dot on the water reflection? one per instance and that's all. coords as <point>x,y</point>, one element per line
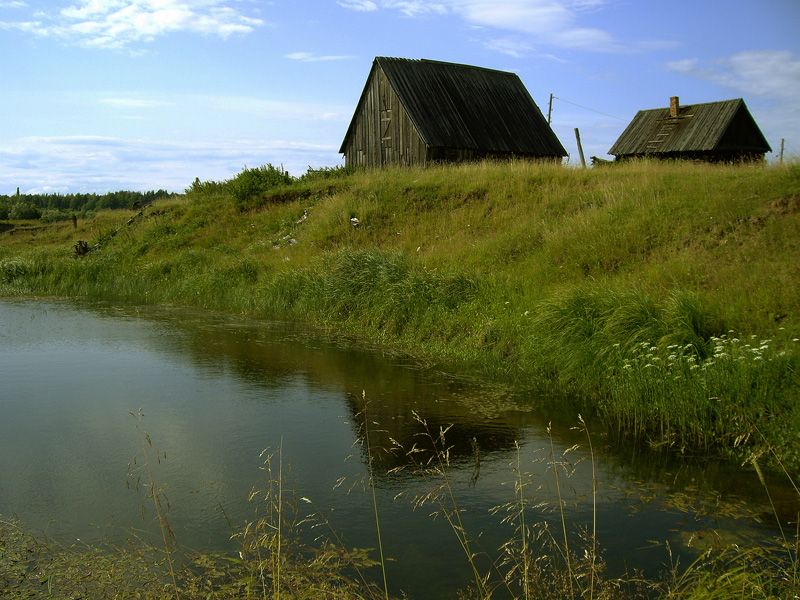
<point>216,391</point>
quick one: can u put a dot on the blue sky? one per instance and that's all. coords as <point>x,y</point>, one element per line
<point>103,95</point>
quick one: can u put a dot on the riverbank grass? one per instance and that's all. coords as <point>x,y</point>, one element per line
<point>540,275</point>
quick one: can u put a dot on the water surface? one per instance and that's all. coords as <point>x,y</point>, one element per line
<point>217,391</point>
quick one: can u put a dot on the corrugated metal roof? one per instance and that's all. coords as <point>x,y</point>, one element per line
<point>461,106</point>
<point>697,128</point>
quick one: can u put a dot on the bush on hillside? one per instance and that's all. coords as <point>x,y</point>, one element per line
<point>24,211</point>
<point>253,182</point>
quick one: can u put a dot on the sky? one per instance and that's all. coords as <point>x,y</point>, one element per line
<point>107,95</point>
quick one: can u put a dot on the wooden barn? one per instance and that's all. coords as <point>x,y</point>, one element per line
<point>415,112</point>
<point>713,131</point>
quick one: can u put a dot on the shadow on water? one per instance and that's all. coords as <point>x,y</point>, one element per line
<point>218,390</point>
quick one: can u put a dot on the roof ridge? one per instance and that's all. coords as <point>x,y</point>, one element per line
<point>433,61</point>
<point>696,104</point>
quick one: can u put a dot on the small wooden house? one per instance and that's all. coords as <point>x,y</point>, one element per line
<point>415,112</point>
<point>713,131</point>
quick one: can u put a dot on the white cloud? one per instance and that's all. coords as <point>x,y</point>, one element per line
<point>410,8</point>
<point>511,47</point>
<point>101,164</point>
<point>552,22</point>
<point>360,5</point>
<point>132,102</point>
<point>118,24</point>
<point>416,7</point>
<point>764,73</point>
<point>769,81</point>
<point>309,57</point>
<point>13,4</point>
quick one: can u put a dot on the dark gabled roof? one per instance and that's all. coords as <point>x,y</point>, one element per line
<point>724,126</point>
<point>461,106</point>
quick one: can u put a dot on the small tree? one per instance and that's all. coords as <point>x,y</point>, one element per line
<point>24,211</point>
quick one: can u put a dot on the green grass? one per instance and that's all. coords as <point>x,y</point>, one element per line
<point>563,279</point>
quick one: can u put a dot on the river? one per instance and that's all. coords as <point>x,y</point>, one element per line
<point>217,391</point>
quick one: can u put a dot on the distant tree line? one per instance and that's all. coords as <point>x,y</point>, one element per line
<point>61,207</point>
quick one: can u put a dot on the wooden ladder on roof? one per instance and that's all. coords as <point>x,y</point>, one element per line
<point>666,129</point>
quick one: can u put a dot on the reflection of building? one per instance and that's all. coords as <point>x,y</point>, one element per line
<point>712,131</point>
<point>414,112</point>
<point>397,427</point>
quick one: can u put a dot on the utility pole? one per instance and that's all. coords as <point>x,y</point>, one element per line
<point>550,109</point>
<point>580,148</point>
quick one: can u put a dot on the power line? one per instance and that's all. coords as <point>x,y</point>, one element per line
<point>587,108</point>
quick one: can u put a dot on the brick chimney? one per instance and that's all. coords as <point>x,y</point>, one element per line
<point>673,107</point>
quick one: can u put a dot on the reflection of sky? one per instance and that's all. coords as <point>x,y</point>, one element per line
<point>215,394</point>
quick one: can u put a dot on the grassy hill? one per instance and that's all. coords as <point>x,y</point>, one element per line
<point>665,297</point>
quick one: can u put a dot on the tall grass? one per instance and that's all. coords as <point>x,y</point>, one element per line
<point>537,274</point>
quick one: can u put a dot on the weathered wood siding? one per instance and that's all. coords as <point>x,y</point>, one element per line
<point>383,133</point>
<point>414,112</point>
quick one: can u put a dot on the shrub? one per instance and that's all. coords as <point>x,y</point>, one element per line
<point>24,211</point>
<point>324,173</point>
<point>253,182</point>
<point>51,215</point>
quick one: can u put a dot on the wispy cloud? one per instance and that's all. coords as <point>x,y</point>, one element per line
<point>309,57</point>
<point>132,102</point>
<point>413,8</point>
<point>557,23</point>
<point>360,5</point>
<point>763,73</point>
<point>118,24</point>
<point>410,8</point>
<point>101,164</point>
<point>769,80</point>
